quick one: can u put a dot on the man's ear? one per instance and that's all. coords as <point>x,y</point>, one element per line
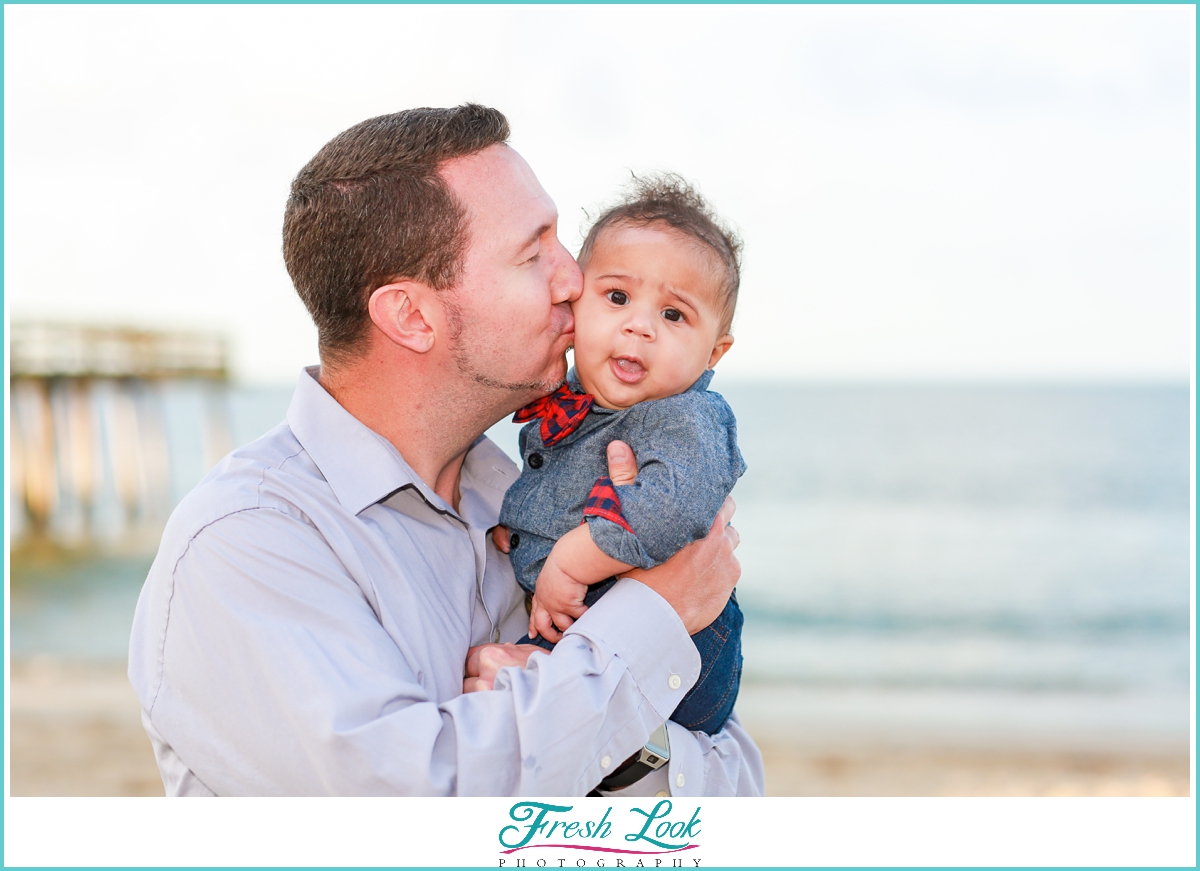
<point>723,344</point>
<point>400,311</point>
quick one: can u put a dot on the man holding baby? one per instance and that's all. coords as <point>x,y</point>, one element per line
<point>304,628</point>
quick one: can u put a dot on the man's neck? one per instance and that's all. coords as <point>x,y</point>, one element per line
<point>430,422</point>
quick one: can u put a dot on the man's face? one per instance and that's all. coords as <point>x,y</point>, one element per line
<point>510,312</point>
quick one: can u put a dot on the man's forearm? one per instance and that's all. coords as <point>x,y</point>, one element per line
<point>275,707</point>
<point>631,633</point>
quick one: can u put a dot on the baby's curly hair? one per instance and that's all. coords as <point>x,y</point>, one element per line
<point>667,198</point>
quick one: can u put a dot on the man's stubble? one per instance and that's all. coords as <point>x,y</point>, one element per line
<point>462,340</point>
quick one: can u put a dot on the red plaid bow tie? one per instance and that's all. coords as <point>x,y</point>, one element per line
<point>561,413</point>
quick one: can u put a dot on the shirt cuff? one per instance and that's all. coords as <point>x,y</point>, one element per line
<point>683,775</point>
<point>634,624</point>
<point>685,768</point>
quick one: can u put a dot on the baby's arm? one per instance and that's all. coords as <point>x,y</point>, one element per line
<point>574,562</point>
<point>688,462</point>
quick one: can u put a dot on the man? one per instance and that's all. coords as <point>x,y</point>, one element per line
<point>305,625</point>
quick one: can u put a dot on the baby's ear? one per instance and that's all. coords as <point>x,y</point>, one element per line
<point>723,344</point>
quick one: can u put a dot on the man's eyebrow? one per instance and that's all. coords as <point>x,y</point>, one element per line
<point>535,235</point>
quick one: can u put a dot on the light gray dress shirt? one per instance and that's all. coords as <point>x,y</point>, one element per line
<point>304,627</point>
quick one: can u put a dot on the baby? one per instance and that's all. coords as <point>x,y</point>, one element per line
<point>660,282</point>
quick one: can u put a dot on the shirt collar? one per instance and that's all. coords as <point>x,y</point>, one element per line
<point>487,472</point>
<point>363,468</point>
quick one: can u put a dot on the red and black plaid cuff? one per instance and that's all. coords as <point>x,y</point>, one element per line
<point>604,502</point>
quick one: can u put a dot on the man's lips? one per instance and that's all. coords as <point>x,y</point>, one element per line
<point>566,332</point>
<point>627,369</point>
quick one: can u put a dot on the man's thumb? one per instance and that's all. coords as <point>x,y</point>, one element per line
<point>622,467</point>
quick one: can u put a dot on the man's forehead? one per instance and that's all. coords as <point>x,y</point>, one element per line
<point>466,169</point>
<point>496,184</point>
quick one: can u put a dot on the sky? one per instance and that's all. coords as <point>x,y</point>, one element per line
<point>939,192</point>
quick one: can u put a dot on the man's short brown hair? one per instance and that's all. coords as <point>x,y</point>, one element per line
<point>371,208</point>
<point>668,199</point>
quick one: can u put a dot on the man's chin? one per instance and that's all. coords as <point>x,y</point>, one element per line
<point>545,388</point>
<point>521,393</point>
<point>553,381</point>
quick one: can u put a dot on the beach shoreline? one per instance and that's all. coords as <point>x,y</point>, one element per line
<point>76,731</point>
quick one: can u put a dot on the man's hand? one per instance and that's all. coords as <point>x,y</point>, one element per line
<point>622,466</point>
<point>485,660</point>
<point>697,581</point>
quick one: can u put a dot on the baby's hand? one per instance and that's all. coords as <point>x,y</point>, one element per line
<point>573,564</point>
<point>557,602</point>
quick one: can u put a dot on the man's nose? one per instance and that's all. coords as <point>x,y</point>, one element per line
<point>566,284</point>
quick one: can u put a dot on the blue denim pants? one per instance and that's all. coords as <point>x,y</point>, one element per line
<point>709,703</point>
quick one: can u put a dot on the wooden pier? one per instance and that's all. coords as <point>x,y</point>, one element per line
<point>89,455</point>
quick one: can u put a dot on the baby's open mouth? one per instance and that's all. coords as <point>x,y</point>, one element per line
<point>628,369</point>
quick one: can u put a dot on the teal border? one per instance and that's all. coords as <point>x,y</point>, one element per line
<point>3,327</point>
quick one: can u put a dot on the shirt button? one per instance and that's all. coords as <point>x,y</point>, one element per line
<point>514,540</point>
<point>662,793</point>
<point>674,682</point>
<point>679,780</point>
<point>534,461</point>
<point>605,762</point>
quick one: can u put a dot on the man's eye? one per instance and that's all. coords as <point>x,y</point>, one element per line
<point>617,297</point>
<point>672,314</point>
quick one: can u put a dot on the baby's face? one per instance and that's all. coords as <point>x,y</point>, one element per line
<point>649,321</point>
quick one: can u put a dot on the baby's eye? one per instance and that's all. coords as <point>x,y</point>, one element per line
<point>617,297</point>
<point>672,314</point>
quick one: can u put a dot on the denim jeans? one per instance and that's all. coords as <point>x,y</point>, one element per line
<point>709,703</point>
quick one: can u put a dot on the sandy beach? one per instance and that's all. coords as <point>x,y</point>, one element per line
<point>880,771</point>
<point>76,731</point>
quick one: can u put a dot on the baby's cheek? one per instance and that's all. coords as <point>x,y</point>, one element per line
<point>588,342</point>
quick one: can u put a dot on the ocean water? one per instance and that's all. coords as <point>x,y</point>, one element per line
<point>970,551</point>
<point>1008,563</point>
<point>1000,537</point>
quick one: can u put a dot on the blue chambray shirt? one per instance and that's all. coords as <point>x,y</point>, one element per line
<point>304,627</point>
<point>688,461</point>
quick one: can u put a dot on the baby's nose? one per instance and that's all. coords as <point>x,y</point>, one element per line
<point>639,325</point>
